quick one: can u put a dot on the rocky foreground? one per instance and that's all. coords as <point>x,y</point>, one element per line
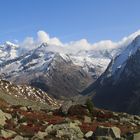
<point>78,122</point>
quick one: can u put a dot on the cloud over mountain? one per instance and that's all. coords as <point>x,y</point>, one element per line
<point>55,44</point>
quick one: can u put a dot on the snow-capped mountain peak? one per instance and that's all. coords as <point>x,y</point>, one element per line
<point>8,43</point>
<point>128,52</point>
<point>8,51</point>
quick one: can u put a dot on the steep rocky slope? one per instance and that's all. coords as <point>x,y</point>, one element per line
<point>25,95</point>
<point>118,88</point>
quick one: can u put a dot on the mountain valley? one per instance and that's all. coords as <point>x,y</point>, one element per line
<point>50,95</point>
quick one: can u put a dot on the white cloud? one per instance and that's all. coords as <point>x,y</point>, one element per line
<point>28,43</point>
<point>127,40</point>
<point>55,41</point>
<point>42,36</point>
<point>105,44</point>
<point>54,44</point>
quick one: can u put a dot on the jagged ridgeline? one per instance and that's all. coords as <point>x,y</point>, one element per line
<point>60,74</point>
<point>118,88</point>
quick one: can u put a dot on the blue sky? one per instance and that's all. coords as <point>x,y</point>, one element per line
<point>69,20</point>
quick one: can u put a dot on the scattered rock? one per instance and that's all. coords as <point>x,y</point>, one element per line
<point>136,136</point>
<point>115,132</point>
<point>137,117</point>
<point>50,113</point>
<point>45,123</point>
<point>87,119</point>
<point>40,135</point>
<point>69,130</point>
<point>112,132</point>
<point>4,117</point>
<point>7,133</point>
<point>124,120</point>
<point>78,110</point>
<point>24,108</point>
<point>103,138</point>
<point>18,137</point>
<point>49,128</point>
<point>67,120</point>
<point>89,134</point>
<point>77,122</point>
<point>65,107</point>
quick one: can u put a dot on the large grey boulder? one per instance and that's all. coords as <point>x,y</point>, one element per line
<point>3,117</point>
<point>112,132</point>
<point>7,133</point>
<point>65,107</point>
<point>39,136</point>
<point>18,137</point>
<point>136,136</point>
<point>89,134</point>
<point>70,130</point>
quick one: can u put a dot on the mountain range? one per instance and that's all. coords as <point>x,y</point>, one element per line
<point>108,75</point>
<point>59,74</point>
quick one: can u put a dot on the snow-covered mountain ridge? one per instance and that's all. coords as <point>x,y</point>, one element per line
<point>92,58</point>
<point>118,87</point>
<point>88,60</point>
<point>59,70</point>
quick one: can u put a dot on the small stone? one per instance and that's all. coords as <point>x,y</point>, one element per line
<point>7,133</point>
<point>116,132</point>
<point>113,132</point>
<point>65,107</point>
<point>67,120</point>
<point>115,114</point>
<point>136,136</point>
<point>77,122</point>
<point>113,121</point>
<point>95,118</point>
<point>24,108</point>
<point>88,134</point>
<point>50,113</point>
<point>49,128</point>
<point>18,137</point>
<point>25,123</point>
<point>133,124</point>
<point>87,119</point>
<point>136,117</point>
<point>103,138</point>
<point>45,123</point>
<point>59,134</point>
<point>40,135</point>
<point>3,117</point>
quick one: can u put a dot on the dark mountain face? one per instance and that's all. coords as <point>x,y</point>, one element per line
<point>64,79</point>
<point>119,90</point>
